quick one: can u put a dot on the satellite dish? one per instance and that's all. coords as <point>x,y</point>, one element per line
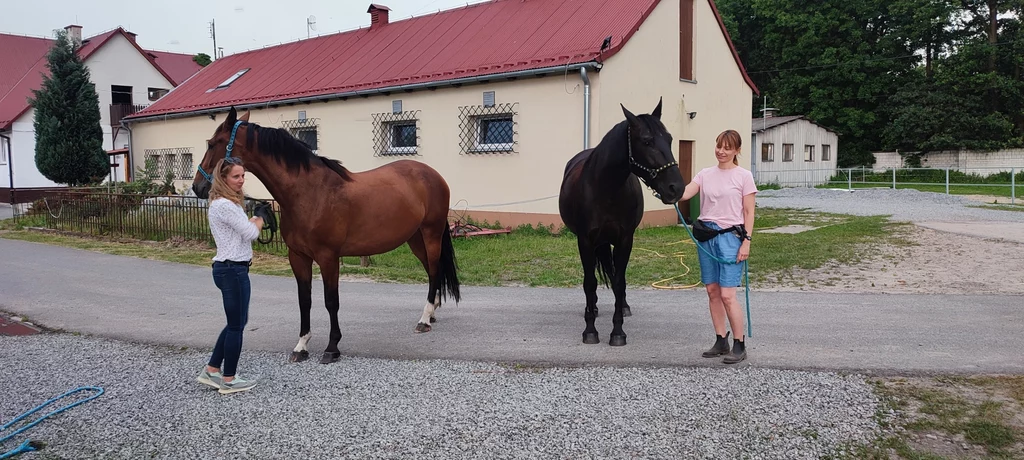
<point>311,21</point>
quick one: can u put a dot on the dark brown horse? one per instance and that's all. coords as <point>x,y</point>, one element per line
<point>601,201</point>
<point>328,212</point>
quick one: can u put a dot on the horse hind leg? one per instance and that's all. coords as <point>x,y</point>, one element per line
<point>330,271</point>
<point>589,260</point>
<point>608,268</point>
<point>302,267</point>
<point>419,248</point>
<point>621,258</point>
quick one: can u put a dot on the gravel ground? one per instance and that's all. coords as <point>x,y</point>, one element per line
<point>371,408</point>
<point>902,204</point>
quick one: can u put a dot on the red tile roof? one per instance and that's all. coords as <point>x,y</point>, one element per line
<point>23,63</point>
<point>178,66</point>
<point>481,39</point>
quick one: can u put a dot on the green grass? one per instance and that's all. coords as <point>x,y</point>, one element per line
<point>954,189</point>
<point>536,257</point>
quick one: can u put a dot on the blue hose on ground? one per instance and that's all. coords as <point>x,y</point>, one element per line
<point>29,446</point>
<point>746,274</point>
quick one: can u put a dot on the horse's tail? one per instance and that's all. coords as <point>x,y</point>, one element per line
<point>605,265</point>
<point>448,268</point>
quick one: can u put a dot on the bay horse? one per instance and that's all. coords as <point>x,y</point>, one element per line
<point>328,212</point>
<point>601,202</point>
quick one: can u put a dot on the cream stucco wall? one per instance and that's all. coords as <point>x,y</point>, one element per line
<point>647,68</point>
<point>549,127</point>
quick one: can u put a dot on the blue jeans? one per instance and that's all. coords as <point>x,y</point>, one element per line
<point>233,282</point>
<point>726,247</point>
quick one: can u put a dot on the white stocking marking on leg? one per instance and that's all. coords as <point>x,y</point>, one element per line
<point>301,346</point>
<point>428,312</point>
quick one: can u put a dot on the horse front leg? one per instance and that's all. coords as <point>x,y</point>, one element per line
<point>302,268</point>
<point>330,270</point>
<point>589,260</point>
<point>621,259</point>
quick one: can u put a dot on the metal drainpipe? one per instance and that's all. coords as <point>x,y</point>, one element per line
<point>586,107</point>
<point>128,160</point>
<point>10,168</point>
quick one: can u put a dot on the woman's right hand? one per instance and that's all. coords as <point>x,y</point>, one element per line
<point>258,221</point>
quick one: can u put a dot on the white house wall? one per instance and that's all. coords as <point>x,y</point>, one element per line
<point>23,153</point>
<point>797,172</point>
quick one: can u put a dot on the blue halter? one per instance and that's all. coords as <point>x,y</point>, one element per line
<point>231,145</point>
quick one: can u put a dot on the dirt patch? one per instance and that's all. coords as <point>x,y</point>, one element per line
<point>935,262</point>
<point>959,417</point>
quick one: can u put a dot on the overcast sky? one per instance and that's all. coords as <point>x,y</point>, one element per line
<point>184,25</point>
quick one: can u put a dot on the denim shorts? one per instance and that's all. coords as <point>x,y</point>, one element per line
<point>725,246</point>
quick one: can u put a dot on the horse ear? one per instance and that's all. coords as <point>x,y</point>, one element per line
<point>657,110</point>
<point>629,115</point>
<point>245,117</point>
<point>232,117</point>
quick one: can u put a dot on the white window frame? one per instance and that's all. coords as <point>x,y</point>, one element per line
<point>784,152</point>
<point>808,153</point>
<point>502,147</point>
<point>826,152</point>
<point>392,149</point>
<point>4,154</point>
<point>316,133</point>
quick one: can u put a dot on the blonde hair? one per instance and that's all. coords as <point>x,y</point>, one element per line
<point>730,139</point>
<point>220,187</point>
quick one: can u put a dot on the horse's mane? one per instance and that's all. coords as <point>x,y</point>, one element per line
<point>285,148</point>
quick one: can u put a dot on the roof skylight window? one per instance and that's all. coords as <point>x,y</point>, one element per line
<point>230,80</point>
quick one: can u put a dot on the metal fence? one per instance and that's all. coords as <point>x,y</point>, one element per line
<point>998,181</point>
<point>98,212</point>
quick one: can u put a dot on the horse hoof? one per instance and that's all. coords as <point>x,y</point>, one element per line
<point>617,340</point>
<point>422,327</point>
<point>626,311</point>
<point>433,320</point>
<point>299,356</point>
<point>591,338</point>
<point>330,357</point>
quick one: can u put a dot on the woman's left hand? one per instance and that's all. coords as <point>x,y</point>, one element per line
<point>744,251</point>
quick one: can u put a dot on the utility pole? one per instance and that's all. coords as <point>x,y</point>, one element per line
<point>213,35</point>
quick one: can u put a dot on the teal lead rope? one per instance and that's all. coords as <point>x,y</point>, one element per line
<point>29,446</point>
<point>746,273</point>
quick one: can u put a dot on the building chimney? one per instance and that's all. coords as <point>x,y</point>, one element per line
<point>378,15</point>
<point>131,35</point>
<point>74,33</point>
<point>769,112</point>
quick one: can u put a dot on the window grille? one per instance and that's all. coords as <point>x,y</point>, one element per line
<point>306,130</point>
<point>396,133</point>
<point>176,160</point>
<point>484,129</point>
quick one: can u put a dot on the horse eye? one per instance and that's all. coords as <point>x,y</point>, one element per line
<point>648,141</point>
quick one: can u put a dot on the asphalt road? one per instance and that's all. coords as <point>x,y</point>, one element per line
<point>165,303</point>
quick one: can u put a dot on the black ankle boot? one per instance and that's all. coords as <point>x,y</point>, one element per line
<point>739,352</point>
<point>720,348</point>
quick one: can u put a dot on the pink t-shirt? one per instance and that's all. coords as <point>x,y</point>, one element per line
<point>722,192</point>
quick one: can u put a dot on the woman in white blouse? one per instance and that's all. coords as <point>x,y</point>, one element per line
<point>233,233</point>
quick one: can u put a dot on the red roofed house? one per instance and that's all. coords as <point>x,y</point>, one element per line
<point>127,79</point>
<point>497,96</point>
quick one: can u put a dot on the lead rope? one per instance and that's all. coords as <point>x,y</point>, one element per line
<point>29,446</point>
<point>746,273</point>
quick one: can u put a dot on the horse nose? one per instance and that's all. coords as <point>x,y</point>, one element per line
<point>674,189</point>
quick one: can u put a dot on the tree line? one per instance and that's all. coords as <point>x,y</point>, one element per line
<point>912,75</point>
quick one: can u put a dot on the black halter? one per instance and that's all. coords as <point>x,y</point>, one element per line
<point>653,172</point>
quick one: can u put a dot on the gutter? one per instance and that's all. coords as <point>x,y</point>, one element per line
<point>370,92</point>
<point>586,107</point>
<point>10,168</point>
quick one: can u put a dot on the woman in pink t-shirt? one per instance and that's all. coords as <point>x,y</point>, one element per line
<point>726,201</point>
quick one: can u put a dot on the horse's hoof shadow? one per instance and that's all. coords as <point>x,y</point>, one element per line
<point>617,340</point>
<point>299,356</point>
<point>330,357</point>
<point>591,338</point>
<point>422,327</point>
